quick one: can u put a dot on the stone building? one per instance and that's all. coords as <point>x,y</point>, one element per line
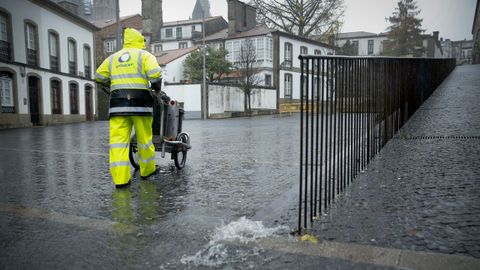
<point>46,65</point>
<point>476,35</point>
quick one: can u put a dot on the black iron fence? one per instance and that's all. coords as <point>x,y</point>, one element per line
<point>350,108</point>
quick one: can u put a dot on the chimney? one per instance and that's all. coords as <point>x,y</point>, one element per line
<point>241,17</point>
<point>435,35</point>
<point>152,16</point>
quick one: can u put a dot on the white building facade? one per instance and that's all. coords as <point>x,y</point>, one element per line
<point>277,55</point>
<point>46,65</point>
<point>263,46</point>
<point>363,43</point>
<point>183,34</point>
<point>371,44</point>
<point>288,76</point>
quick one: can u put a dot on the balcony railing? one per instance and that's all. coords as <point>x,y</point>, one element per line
<point>287,63</point>
<point>54,63</point>
<point>72,67</point>
<point>32,57</point>
<point>5,50</point>
<point>88,72</point>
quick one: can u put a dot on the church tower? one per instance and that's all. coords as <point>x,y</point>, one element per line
<point>202,7</point>
<point>152,18</point>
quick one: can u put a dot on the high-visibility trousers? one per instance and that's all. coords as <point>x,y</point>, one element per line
<point>120,131</point>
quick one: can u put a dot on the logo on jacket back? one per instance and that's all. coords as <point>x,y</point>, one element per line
<point>124,58</point>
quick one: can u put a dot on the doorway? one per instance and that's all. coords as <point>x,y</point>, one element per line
<point>88,103</point>
<point>33,93</point>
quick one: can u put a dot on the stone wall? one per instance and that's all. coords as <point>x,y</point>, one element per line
<point>23,120</point>
<point>13,120</point>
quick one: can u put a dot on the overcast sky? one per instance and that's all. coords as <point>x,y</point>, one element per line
<point>453,18</point>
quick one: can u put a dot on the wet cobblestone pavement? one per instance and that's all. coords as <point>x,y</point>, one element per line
<point>60,210</point>
<point>423,191</point>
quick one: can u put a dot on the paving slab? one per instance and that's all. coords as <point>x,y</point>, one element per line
<point>422,192</point>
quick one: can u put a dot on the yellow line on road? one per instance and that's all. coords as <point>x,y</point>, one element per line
<point>79,221</point>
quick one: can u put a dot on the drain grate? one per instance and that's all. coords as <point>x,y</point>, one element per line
<point>451,137</point>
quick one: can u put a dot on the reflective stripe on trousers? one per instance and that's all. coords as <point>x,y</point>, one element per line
<point>130,110</point>
<point>120,131</point>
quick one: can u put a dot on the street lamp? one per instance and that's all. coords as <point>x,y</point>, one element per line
<point>204,82</point>
<point>117,17</point>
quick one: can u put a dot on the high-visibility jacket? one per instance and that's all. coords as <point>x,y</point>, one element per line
<point>129,72</point>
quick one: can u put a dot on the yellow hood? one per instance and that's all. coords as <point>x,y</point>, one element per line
<point>133,39</point>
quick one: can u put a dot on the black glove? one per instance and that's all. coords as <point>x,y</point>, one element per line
<point>157,86</point>
<point>165,98</point>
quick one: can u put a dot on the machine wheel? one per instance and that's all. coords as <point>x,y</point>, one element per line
<point>133,153</point>
<point>180,157</point>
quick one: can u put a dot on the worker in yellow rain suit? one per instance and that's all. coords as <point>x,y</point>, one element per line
<point>129,72</point>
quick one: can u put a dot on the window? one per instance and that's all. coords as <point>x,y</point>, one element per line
<point>305,87</point>
<point>182,45</point>
<point>56,94</point>
<point>370,46</point>
<point>317,52</point>
<point>73,98</point>
<point>6,93</point>
<point>168,33</point>
<point>260,49</point>
<point>288,85</point>
<point>5,45</point>
<point>303,50</point>
<point>269,51</point>
<point>179,32</point>
<point>54,54</point>
<point>31,44</point>
<point>72,57</point>
<point>355,47</point>
<point>268,80</point>
<point>288,55</point>
<point>110,45</point>
<point>87,62</point>
<point>193,27</point>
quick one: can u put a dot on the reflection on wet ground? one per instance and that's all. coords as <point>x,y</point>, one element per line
<point>59,208</point>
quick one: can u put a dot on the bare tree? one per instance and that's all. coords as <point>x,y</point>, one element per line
<point>304,18</point>
<point>248,70</point>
